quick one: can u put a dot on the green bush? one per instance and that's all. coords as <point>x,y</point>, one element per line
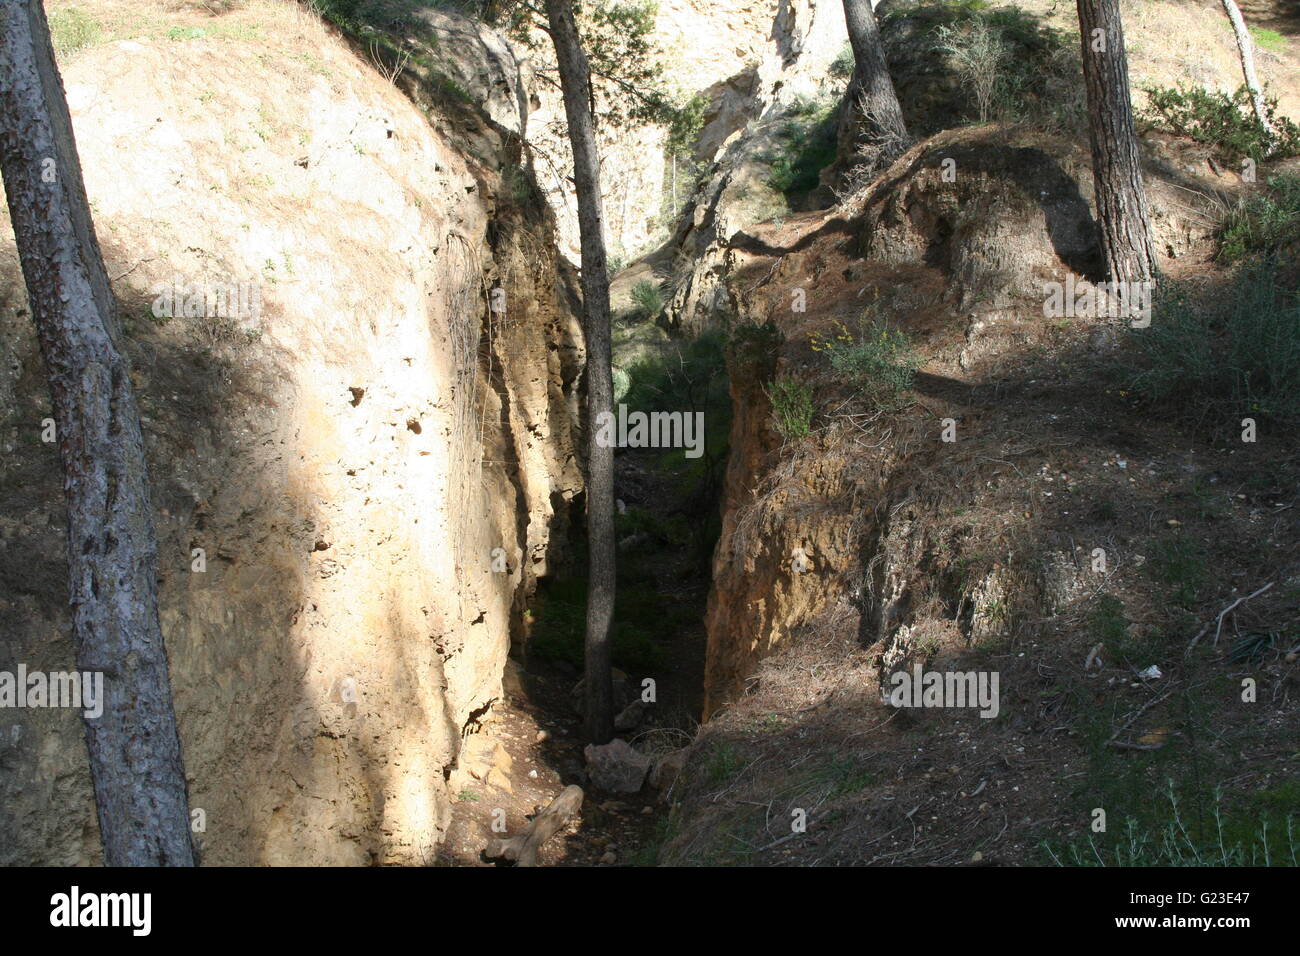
<point>1168,833</point>
<point>685,125</point>
<point>1238,357</point>
<point>843,65</point>
<point>1171,836</point>
<point>806,145</point>
<point>879,361</point>
<point>647,299</point>
<point>792,407</point>
<point>1262,223</point>
<point>1001,63</point>
<point>1226,123</point>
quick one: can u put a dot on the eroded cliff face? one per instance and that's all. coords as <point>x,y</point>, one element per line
<point>357,482</point>
<point>840,525</point>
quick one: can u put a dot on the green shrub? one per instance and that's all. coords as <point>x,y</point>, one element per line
<point>977,54</point>
<point>647,299</point>
<point>1238,357</point>
<point>806,145</point>
<point>685,125</point>
<point>792,407</point>
<point>1169,834</point>
<point>1226,123</point>
<point>843,65</point>
<point>999,63</point>
<point>1262,223</point>
<point>880,361</point>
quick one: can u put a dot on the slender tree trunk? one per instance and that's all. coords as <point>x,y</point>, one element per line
<point>1117,172</point>
<point>872,90</point>
<point>135,754</point>
<point>1246,52</point>
<point>575,81</point>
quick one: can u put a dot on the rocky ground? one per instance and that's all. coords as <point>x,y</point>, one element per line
<point>525,750</point>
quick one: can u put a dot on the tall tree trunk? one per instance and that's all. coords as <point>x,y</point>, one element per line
<point>872,90</point>
<point>1246,52</point>
<point>1117,173</point>
<point>135,753</point>
<point>575,81</point>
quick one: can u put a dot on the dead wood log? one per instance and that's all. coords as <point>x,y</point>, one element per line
<point>523,847</point>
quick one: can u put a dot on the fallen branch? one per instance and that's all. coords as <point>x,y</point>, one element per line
<point>1222,614</point>
<point>522,849</point>
<point>1140,711</point>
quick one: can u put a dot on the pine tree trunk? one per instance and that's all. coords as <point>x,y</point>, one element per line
<point>1246,52</point>
<point>135,754</point>
<point>1117,173</point>
<point>872,90</point>
<point>575,81</point>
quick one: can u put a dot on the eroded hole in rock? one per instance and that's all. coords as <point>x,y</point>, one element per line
<point>357,394</point>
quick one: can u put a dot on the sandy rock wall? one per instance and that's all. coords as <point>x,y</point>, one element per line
<point>333,475</point>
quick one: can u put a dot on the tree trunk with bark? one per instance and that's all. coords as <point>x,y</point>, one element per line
<point>575,82</point>
<point>1246,51</point>
<point>872,89</point>
<point>135,753</point>
<point>1117,171</point>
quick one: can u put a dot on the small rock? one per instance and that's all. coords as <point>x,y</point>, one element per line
<point>609,859</point>
<point>499,780</point>
<point>630,717</point>
<point>667,769</point>
<point>616,766</point>
<point>542,736</point>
